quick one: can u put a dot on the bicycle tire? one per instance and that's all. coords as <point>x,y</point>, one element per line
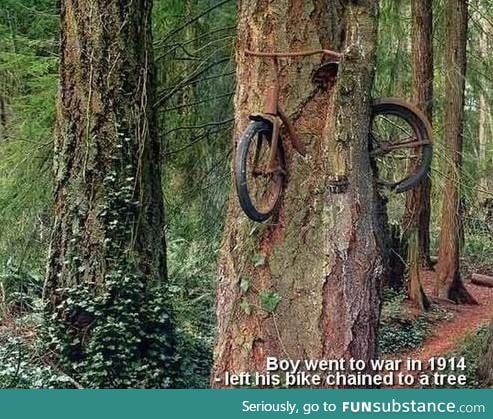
<point>254,129</point>
<point>421,127</point>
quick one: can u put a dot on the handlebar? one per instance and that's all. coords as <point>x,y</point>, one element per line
<point>293,54</point>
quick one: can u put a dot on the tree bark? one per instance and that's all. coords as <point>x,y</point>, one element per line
<point>449,283</point>
<point>396,263</point>
<point>415,289</point>
<point>107,253</point>
<point>418,205</point>
<point>305,284</point>
<point>3,119</point>
<point>484,132</point>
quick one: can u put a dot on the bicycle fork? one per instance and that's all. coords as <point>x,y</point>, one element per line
<point>276,116</point>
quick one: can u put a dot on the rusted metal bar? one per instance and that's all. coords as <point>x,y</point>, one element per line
<point>294,53</point>
<point>387,148</point>
<point>293,135</point>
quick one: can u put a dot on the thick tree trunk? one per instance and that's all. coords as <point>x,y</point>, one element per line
<point>418,205</point>
<point>306,283</point>
<point>449,283</point>
<point>107,248</point>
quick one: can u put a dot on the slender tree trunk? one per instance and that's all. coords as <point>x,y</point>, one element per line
<point>3,119</point>
<point>415,290</point>
<point>107,251</point>
<point>305,284</point>
<point>418,207</point>
<point>484,134</point>
<point>449,283</point>
<point>483,113</point>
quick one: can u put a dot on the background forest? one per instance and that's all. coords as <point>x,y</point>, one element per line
<point>193,47</point>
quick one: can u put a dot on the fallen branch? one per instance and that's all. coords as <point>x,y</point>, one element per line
<point>482,280</point>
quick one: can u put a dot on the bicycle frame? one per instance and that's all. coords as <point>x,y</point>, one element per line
<point>273,112</point>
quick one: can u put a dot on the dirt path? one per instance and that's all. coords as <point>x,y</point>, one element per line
<point>466,319</point>
<point>447,334</point>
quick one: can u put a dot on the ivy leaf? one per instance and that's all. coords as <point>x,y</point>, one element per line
<point>258,260</point>
<point>244,285</point>
<point>270,301</point>
<point>245,305</point>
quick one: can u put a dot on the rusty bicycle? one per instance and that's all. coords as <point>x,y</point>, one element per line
<point>399,142</point>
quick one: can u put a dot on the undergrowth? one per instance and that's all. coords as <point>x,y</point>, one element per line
<point>32,359</point>
<point>24,359</point>
<point>400,330</point>
<point>472,347</point>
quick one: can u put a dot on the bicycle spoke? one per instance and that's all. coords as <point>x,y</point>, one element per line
<point>393,142</point>
<point>395,125</point>
<point>258,147</point>
<point>262,180</point>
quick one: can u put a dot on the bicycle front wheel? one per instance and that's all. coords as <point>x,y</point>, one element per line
<point>258,185</point>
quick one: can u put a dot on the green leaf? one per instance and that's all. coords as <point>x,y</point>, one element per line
<point>245,305</point>
<point>244,285</point>
<point>270,301</point>
<point>258,259</point>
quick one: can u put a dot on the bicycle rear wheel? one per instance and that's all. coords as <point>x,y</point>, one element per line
<point>400,144</point>
<point>258,187</point>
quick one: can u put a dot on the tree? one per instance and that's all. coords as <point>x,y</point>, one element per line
<point>418,203</point>
<point>484,109</point>
<point>449,283</point>
<point>106,269</point>
<point>3,118</point>
<point>305,284</point>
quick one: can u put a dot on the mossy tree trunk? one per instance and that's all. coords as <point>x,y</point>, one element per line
<point>107,254</point>
<point>418,204</point>
<point>305,284</point>
<point>449,283</point>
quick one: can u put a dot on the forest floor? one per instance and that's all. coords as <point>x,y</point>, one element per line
<point>463,321</point>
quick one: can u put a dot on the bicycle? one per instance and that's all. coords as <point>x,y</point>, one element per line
<point>260,177</point>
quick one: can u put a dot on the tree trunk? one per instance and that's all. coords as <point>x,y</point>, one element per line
<point>3,119</point>
<point>483,113</point>
<point>395,262</point>
<point>449,283</point>
<point>415,290</point>
<point>107,254</point>
<point>418,205</point>
<point>306,283</point>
